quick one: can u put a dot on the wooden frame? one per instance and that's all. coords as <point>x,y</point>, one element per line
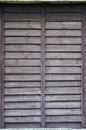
<point>43,39</point>
<point>83,67</point>
<point>1,67</point>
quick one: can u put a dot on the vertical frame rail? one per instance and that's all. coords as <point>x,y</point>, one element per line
<point>1,67</point>
<point>83,67</point>
<point>43,40</point>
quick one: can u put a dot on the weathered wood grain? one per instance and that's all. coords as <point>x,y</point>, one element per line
<point>65,97</point>
<point>22,48</point>
<point>63,33</point>
<point>22,70</point>
<point>27,105</point>
<point>23,25</point>
<point>22,91</point>
<point>64,70</point>
<point>63,83</point>
<point>63,119</point>
<point>63,63</point>
<point>23,55</point>
<point>22,120</point>
<point>21,113</point>
<point>22,77</point>
<point>22,9</point>
<point>25,33</point>
<point>63,25</point>
<point>63,55</point>
<point>62,90</point>
<point>63,105</point>
<point>22,16</point>
<point>22,40</point>
<point>72,125</point>
<point>63,48</point>
<point>23,125</point>
<point>22,62</point>
<point>22,98</point>
<point>63,112</point>
<point>22,84</point>
<point>63,77</point>
<point>63,17</point>
<point>63,40</point>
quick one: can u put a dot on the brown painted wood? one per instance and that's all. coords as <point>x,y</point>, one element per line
<point>1,68</point>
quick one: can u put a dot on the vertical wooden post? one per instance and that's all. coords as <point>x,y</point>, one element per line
<point>83,67</point>
<point>43,40</point>
<point>1,68</point>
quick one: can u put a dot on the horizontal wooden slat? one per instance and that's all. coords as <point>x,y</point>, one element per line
<point>22,70</point>
<point>22,77</point>
<point>73,125</point>
<point>63,118</point>
<point>22,91</point>
<point>49,70</point>
<point>63,25</point>
<point>22,9</point>
<point>21,33</point>
<point>63,84</point>
<point>28,105</point>
<point>23,40</point>
<point>63,55</point>
<point>52,98</point>
<point>22,98</point>
<point>63,17</point>
<point>22,84</point>
<point>37,55</point>
<point>22,62</point>
<point>63,105</point>
<point>63,62</point>
<point>65,70</point>
<point>62,77</point>
<point>63,48</point>
<point>63,112</point>
<point>23,25</point>
<point>63,40</point>
<point>62,90</point>
<point>22,112</point>
<point>22,16</point>
<point>22,120</point>
<point>49,48</point>
<point>23,125</point>
<point>63,33</point>
<point>23,55</point>
<point>63,8</point>
<point>22,48</point>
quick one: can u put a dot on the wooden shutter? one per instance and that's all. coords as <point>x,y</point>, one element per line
<point>63,67</point>
<point>44,75</point>
<point>22,67</point>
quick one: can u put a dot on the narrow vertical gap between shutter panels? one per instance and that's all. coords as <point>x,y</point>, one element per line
<point>1,67</point>
<point>43,67</point>
<point>83,67</point>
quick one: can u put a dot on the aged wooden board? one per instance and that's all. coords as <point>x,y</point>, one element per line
<point>21,113</point>
<point>63,118</point>
<point>22,120</point>
<point>23,98</point>
<point>22,40</point>
<point>22,62</point>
